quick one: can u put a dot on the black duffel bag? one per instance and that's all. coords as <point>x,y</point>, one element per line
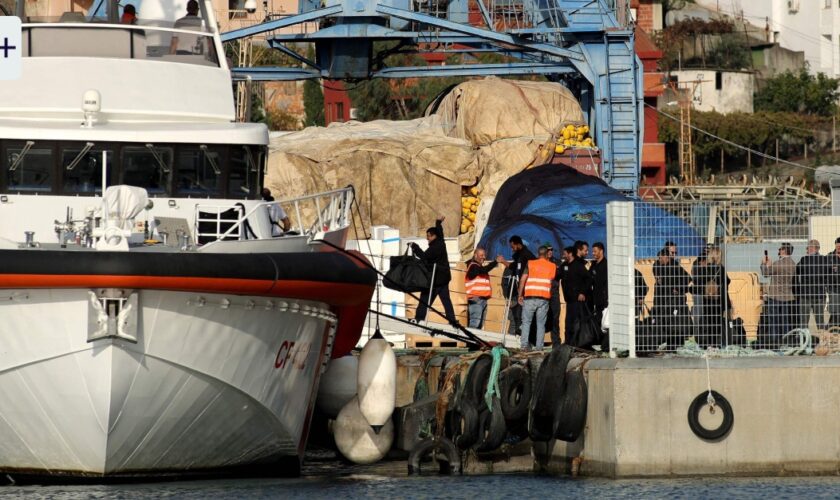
<point>407,274</point>
<point>586,332</point>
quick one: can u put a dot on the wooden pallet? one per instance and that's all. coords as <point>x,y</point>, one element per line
<point>414,341</point>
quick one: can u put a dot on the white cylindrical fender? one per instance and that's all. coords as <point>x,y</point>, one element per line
<point>338,385</point>
<point>376,384</point>
<point>355,438</point>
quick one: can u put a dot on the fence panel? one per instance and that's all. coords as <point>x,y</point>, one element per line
<point>736,275</point>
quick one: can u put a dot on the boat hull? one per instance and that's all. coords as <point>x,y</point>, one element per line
<point>213,381</point>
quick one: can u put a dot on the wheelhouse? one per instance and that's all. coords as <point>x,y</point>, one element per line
<point>172,170</point>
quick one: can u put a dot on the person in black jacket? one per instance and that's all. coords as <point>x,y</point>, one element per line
<point>437,261</point>
<point>510,280</point>
<point>711,296</point>
<point>598,270</point>
<point>670,306</point>
<point>809,287</point>
<point>577,290</point>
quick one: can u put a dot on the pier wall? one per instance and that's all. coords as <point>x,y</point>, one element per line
<point>786,418</point>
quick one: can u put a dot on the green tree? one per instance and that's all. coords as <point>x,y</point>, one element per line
<point>798,93</point>
<point>313,103</point>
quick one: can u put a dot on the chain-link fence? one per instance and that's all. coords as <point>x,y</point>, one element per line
<point>750,275</point>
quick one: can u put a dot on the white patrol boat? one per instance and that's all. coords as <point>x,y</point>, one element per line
<point>149,322</point>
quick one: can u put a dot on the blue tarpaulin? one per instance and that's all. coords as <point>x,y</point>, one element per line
<point>558,205</point>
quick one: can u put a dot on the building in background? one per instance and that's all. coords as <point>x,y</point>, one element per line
<point>724,91</point>
<point>808,26</point>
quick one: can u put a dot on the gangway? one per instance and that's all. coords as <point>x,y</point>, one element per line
<point>395,330</point>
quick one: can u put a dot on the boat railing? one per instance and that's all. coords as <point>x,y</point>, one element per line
<point>327,211</point>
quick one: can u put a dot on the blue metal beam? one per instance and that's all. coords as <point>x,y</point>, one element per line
<point>477,32</point>
<point>473,70</point>
<point>281,23</point>
<point>269,74</point>
<point>291,53</point>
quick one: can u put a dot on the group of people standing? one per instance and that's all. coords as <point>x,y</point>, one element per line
<point>708,285</point>
<point>532,285</point>
<point>799,290</point>
<point>795,292</point>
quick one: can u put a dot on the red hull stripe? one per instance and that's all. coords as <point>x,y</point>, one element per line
<point>337,294</point>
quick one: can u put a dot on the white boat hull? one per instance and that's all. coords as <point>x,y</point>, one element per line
<point>212,382</point>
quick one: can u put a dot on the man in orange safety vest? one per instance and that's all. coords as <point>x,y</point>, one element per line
<point>534,293</point>
<point>477,286</point>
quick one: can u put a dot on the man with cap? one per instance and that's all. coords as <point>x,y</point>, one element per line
<point>779,301</point>
<point>553,323</point>
<point>534,293</point>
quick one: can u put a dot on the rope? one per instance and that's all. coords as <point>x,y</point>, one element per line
<point>473,339</point>
<point>493,382</point>
<point>710,400</point>
<point>370,251</point>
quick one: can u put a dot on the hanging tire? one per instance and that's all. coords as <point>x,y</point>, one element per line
<point>547,392</point>
<point>432,447</point>
<point>491,428</point>
<point>721,404</point>
<point>570,415</point>
<point>540,426</point>
<point>515,389</point>
<point>550,378</point>
<point>476,383</point>
<point>462,424</point>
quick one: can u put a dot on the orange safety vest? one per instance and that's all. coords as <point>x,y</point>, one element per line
<point>478,286</point>
<point>540,274</point>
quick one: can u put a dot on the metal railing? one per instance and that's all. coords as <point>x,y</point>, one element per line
<point>328,211</point>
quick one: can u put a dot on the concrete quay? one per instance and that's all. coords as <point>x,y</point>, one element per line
<point>786,419</point>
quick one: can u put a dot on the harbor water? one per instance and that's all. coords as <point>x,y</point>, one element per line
<point>334,481</point>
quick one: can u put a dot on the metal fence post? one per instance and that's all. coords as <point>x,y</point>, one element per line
<point>621,275</point>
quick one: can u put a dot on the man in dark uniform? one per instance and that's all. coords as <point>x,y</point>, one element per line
<point>510,279</point>
<point>578,289</point>
<point>670,306</point>
<point>598,270</point>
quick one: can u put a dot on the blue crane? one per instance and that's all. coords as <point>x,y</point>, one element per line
<point>577,42</point>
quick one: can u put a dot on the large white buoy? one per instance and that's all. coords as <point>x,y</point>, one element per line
<point>338,385</point>
<point>355,438</point>
<point>376,384</point>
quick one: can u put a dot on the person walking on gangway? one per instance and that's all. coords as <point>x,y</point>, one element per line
<point>436,260</point>
<point>477,286</point>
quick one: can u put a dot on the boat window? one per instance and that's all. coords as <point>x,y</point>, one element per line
<point>156,29</point>
<point>29,168</point>
<point>147,167</point>
<point>243,176</point>
<point>82,168</point>
<point>198,171</point>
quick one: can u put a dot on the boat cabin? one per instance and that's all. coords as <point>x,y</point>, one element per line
<point>75,168</point>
